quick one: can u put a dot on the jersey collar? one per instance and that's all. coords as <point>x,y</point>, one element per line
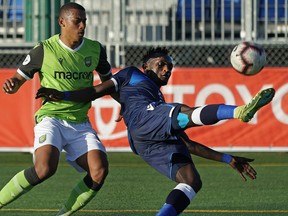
<point>73,50</point>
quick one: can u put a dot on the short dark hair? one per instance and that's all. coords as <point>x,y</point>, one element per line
<point>71,5</point>
<point>154,53</point>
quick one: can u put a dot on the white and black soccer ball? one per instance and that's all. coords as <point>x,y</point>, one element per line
<point>248,58</point>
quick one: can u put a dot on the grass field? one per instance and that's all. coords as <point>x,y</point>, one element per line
<point>133,188</point>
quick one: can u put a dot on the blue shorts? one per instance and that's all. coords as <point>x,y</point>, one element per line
<point>156,124</point>
<point>156,141</point>
<point>165,157</point>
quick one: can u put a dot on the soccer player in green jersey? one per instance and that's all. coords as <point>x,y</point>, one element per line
<point>65,61</point>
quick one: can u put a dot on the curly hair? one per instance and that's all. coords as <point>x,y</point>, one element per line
<point>154,53</point>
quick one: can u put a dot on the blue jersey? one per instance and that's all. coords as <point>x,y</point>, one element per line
<point>146,115</point>
<point>137,93</point>
<point>149,122</point>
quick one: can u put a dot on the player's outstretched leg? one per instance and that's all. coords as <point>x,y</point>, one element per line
<point>246,112</point>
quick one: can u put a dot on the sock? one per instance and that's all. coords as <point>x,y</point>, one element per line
<point>79,197</point>
<point>17,186</point>
<point>205,115</point>
<point>226,112</point>
<point>31,176</point>
<point>211,114</point>
<point>178,200</point>
<point>167,210</point>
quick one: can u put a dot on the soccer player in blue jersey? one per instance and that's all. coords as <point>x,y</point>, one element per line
<point>156,129</point>
<point>65,61</point>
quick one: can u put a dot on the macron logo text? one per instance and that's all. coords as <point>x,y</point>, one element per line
<point>73,75</point>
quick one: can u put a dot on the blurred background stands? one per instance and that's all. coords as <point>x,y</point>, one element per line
<point>199,33</point>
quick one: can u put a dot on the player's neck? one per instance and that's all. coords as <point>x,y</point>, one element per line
<point>70,43</point>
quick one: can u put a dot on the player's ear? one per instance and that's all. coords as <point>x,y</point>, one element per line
<point>61,21</point>
<point>144,65</point>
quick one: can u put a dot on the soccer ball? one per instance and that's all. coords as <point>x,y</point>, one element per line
<point>248,58</point>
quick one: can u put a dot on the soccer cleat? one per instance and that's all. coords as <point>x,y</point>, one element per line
<point>246,112</point>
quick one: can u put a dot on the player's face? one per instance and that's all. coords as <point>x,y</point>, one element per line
<point>162,67</point>
<point>73,24</point>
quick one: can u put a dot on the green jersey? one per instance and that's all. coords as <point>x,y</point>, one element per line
<point>65,69</point>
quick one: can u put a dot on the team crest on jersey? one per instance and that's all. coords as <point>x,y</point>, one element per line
<point>42,138</point>
<point>88,61</point>
<point>27,60</point>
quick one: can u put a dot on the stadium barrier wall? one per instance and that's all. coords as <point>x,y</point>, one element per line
<point>268,131</point>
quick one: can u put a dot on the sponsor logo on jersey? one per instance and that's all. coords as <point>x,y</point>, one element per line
<point>60,60</point>
<point>88,61</point>
<point>150,107</point>
<point>73,75</point>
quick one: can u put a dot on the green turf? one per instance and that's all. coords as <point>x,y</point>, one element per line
<point>133,188</point>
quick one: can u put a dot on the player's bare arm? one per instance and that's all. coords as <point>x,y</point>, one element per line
<point>240,164</point>
<point>82,95</point>
<point>11,86</point>
<point>201,150</point>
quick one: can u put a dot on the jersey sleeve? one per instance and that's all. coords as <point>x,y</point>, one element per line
<point>123,77</point>
<point>104,67</point>
<point>32,63</point>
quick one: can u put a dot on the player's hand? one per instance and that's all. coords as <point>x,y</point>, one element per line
<point>49,94</point>
<point>11,86</point>
<point>242,166</point>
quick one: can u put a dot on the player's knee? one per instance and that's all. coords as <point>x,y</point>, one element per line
<point>45,171</point>
<point>99,174</point>
<point>195,183</point>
